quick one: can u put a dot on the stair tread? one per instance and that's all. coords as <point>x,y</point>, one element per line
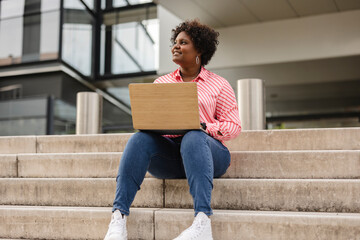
<point>161,223</point>
<point>245,164</point>
<point>329,195</point>
<point>182,210</point>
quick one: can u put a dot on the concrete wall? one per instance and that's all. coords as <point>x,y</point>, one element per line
<point>167,21</point>
<point>308,38</point>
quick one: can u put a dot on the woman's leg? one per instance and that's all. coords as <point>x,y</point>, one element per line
<point>141,149</point>
<point>204,158</point>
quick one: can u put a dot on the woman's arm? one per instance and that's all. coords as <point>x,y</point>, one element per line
<point>227,121</point>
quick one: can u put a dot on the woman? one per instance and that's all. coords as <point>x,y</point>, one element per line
<point>198,156</point>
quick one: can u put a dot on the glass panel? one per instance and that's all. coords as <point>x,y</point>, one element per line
<point>119,3</point>
<point>77,4</point>
<point>32,37</point>
<point>115,120</point>
<point>73,4</point>
<point>122,3</point>
<point>134,49</point>
<point>102,50</point>
<point>49,35</point>
<point>89,3</point>
<point>20,127</point>
<point>121,93</point>
<point>48,5</point>
<point>14,8</point>
<point>23,117</point>
<point>32,7</point>
<point>133,2</point>
<point>77,38</point>
<point>11,39</point>
<point>64,117</point>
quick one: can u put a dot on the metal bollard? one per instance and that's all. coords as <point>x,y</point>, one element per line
<point>251,101</point>
<point>88,113</point>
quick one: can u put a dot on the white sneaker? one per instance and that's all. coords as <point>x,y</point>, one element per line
<point>117,227</point>
<point>199,230</point>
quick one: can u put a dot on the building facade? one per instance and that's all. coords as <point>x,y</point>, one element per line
<point>307,53</point>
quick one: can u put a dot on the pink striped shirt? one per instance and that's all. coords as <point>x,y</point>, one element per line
<point>217,103</point>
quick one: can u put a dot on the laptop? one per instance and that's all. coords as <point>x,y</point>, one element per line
<point>165,108</point>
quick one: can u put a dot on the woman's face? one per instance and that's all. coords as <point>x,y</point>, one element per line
<point>183,51</point>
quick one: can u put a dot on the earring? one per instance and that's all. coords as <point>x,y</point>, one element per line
<point>197,60</point>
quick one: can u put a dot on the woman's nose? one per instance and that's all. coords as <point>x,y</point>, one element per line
<point>176,45</point>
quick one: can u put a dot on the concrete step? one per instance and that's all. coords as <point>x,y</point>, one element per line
<point>264,140</point>
<point>323,195</point>
<point>165,224</point>
<point>313,164</point>
<point>318,195</point>
<point>8,165</point>
<point>17,144</point>
<point>297,139</point>
<point>247,164</point>
<point>74,192</point>
<point>70,222</point>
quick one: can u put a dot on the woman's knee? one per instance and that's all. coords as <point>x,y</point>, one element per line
<point>141,139</point>
<point>193,138</point>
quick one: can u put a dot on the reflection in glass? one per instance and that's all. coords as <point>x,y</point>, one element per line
<point>89,3</point>
<point>31,49</point>
<point>11,9</point>
<point>134,47</point>
<point>49,35</point>
<point>29,32</point>
<point>121,93</point>
<point>77,38</point>
<point>122,3</point>
<point>64,117</point>
<point>11,39</point>
<point>48,5</point>
<point>23,117</point>
<point>73,4</point>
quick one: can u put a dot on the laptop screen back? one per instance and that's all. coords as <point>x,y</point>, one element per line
<point>164,106</point>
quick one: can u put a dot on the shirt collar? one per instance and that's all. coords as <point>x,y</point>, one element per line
<point>202,75</point>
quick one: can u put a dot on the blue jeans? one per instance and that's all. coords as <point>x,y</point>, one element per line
<point>195,156</point>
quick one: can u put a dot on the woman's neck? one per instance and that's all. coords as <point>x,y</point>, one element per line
<point>190,73</point>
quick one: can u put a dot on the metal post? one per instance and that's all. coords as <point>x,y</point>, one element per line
<point>251,103</point>
<point>88,113</point>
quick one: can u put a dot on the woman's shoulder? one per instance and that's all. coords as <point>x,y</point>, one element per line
<point>216,78</point>
<point>167,78</point>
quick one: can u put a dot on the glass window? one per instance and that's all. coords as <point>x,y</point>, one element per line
<point>77,37</point>
<point>49,35</point>
<point>49,5</point>
<point>31,38</point>
<point>11,31</point>
<point>23,117</point>
<point>134,47</point>
<point>29,32</point>
<point>138,45</point>
<point>122,93</point>
<point>122,3</point>
<point>89,3</point>
<point>14,8</point>
<point>73,4</point>
<point>119,3</point>
<point>11,39</point>
<point>77,4</point>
